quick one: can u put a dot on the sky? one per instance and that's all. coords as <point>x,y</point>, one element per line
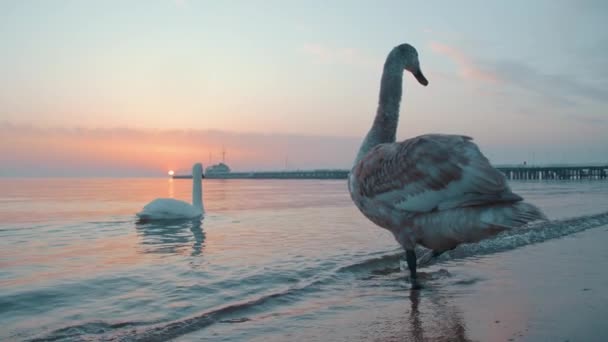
<point>136,88</point>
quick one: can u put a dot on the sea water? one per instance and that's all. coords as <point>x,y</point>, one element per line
<point>286,260</point>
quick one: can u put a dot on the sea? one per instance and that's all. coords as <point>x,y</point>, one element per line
<point>287,260</point>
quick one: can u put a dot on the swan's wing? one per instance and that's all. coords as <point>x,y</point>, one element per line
<point>431,172</point>
<point>167,208</point>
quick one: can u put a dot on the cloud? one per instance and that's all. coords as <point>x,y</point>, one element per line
<point>52,151</point>
<point>332,55</point>
<point>467,67</point>
<point>30,150</point>
<point>557,89</point>
<point>556,86</point>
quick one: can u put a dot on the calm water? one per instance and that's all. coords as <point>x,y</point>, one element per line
<point>285,260</point>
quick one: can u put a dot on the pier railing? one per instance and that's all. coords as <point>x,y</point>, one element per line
<point>299,174</point>
<point>519,172</point>
<point>554,172</point>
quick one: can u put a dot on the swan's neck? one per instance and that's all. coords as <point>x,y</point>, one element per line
<point>384,128</point>
<point>197,192</point>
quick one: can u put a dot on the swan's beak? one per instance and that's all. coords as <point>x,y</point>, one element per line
<point>420,77</point>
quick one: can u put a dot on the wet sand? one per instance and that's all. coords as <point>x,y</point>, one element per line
<point>553,291</point>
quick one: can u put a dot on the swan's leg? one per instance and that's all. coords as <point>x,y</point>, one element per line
<point>410,257</point>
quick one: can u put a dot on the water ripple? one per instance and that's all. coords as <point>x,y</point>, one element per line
<point>316,280</point>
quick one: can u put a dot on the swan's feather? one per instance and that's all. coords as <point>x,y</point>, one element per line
<point>431,172</point>
<point>444,230</point>
<point>168,209</point>
<point>437,190</point>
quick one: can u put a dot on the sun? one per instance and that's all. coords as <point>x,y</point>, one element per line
<point>171,173</point>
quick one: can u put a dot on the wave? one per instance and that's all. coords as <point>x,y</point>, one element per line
<point>241,311</point>
<point>508,240</point>
<point>531,234</point>
<point>76,332</point>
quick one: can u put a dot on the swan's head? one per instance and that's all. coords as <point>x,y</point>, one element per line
<point>408,58</point>
<point>197,170</point>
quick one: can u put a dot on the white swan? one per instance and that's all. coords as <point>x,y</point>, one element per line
<point>435,190</point>
<point>172,209</point>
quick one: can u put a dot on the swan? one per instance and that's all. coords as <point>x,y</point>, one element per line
<point>435,190</point>
<point>172,209</point>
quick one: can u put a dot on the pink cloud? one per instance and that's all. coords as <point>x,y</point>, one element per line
<point>467,67</point>
<point>37,150</point>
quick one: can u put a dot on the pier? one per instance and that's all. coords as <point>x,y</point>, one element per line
<point>572,172</point>
<point>517,172</point>
<point>300,174</point>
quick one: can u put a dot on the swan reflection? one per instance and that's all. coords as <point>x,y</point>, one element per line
<point>433,320</point>
<point>430,314</point>
<point>171,237</point>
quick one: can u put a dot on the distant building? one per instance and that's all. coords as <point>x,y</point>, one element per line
<point>217,169</point>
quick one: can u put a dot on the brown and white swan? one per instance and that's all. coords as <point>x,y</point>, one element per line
<point>435,190</point>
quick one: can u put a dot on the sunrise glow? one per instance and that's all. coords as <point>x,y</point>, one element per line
<point>142,98</point>
<point>171,173</point>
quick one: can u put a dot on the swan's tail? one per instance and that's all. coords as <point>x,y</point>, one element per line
<point>445,230</point>
<point>512,215</point>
